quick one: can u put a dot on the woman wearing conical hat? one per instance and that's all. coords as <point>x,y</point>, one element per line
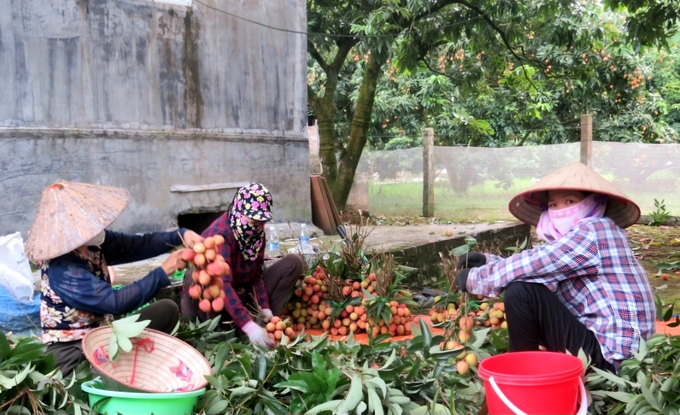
<point>242,227</point>
<point>69,237</point>
<point>584,289</point>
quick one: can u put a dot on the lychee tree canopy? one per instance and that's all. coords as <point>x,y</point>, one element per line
<point>351,43</point>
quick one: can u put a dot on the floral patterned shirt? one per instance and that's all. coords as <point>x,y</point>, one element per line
<point>76,290</point>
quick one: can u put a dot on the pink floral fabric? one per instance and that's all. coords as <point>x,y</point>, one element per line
<point>251,202</point>
<point>554,224</point>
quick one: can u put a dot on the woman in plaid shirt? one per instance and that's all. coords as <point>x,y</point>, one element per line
<point>584,289</point>
<point>242,227</point>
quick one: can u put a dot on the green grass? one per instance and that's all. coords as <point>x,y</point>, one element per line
<point>484,202</point>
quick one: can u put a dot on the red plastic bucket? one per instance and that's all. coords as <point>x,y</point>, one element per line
<point>533,383</point>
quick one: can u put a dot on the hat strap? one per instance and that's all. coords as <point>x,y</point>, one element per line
<point>148,345</point>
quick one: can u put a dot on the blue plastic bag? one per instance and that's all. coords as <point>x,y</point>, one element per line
<point>19,317</point>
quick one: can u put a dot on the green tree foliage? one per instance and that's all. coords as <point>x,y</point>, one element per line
<point>517,105</point>
<point>497,68</point>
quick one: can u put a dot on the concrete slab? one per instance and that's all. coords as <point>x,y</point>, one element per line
<point>419,245</point>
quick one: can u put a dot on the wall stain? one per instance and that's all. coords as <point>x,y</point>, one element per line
<point>84,7</point>
<point>20,79</point>
<point>52,62</point>
<point>193,97</point>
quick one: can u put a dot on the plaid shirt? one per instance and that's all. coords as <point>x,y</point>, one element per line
<point>245,275</point>
<point>594,273</point>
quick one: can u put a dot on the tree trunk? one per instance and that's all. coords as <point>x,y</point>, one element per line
<point>361,119</point>
<point>324,109</point>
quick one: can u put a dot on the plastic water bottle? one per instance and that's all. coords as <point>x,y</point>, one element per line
<point>304,247</point>
<point>304,235</point>
<point>272,240</point>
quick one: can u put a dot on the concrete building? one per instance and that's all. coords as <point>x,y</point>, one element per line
<point>180,104</point>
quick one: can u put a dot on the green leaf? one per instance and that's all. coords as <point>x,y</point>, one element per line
<point>642,352</point>
<point>127,328</point>
<point>18,410</point>
<point>314,383</point>
<point>326,406</point>
<point>246,363</point>
<point>241,390</point>
<point>374,403</point>
<point>619,396</point>
<point>440,355</point>
<point>426,334</point>
<point>11,382</point>
<point>318,364</point>
<point>297,405</point>
<point>353,397</point>
<point>214,381</point>
<point>332,378</point>
<point>390,360</point>
<point>499,342</point>
<point>397,397</point>
<point>25,351</point>
<point>610,376</point>
<point>415,370</point>
<point>260,368</point>
<point>113,347</point>
<point>218,406</point>
<point>439,409</point>
<point>649,398</point>
<point>125,344</point>
<point>220,354</point>
<point>668,314</point>
<point>379,383</point>
<point>213,323</point>
<point>461,250</point>
<point>5,349</point>
<point>480,337</point>
<point>296,384</point>
<point>393,409</point>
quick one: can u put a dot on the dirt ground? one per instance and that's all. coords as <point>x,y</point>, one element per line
<point>655,246</point>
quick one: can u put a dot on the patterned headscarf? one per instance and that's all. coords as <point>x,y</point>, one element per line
<point>250,202</point>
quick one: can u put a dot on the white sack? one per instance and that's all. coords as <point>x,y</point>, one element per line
<point>15,271</point>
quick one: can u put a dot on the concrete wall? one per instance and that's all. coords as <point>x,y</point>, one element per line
<point>178,104</point>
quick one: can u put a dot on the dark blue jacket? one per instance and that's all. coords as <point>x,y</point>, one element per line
<point>75,299</point>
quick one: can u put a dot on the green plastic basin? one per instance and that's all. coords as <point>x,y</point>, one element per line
<point>139,403</point>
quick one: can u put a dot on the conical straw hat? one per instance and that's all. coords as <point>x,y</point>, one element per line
<point>158,362</point>
<point>527,206</point>
<point>70,214</point>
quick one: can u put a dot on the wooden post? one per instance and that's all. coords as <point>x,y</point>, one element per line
<point>428,172</point>
<point>587,139</point>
